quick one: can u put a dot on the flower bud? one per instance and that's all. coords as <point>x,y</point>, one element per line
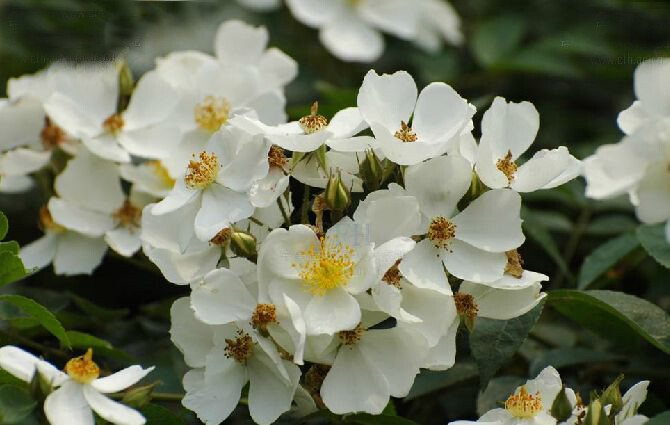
<point>371,171</point>
<point>243,244</point>
<point>126,81</point>
<point>561,409</point>
<point>596,414</point>
<point>139,396</point>
<point>612,395</point>
<point>338,196</point>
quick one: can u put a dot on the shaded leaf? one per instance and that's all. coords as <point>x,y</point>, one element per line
<point>652,238</point>
<point>4,225</point>
<point>429,381</point>
<point>15,404</point>
<point>610,225</point>
<point>41,314</point>
<point>662,419</point>
<point>497,38</point>
<point>94,310</point>
<point>536,230</point>
<point>367,419</point>
<point>11,268</point>
<point>159,415</point>
<point>605,257</point>
<point>569,356</point>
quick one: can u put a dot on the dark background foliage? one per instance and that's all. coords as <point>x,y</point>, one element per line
<point>573,59</point>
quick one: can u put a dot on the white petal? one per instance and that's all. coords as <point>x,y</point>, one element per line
<point>387,99</point>
<point>78,254</point>
<point>221,298</point>
<point>21,122</point>
<point>146,177</point>
<point>613,170</point>
<point>346,123</point>
<point>74,217</point>
<point>469,263</point>
<point>124,241</point>
<point>264,192</point>
<point>243,157</point>
<point>632,399</point>
<point>509,126</point>
<point>220,207</point>
<point>192,337</point>
<point>277,68</point>
<point>72,117</point>
<point>632,118</point>
<point>352,144</point>
<point>396,17</point>
<point>168,231</point>
<point>156,141</point>
<point>351,39</point>
<point>435,310</point>
<point>178,197</point>
<point>209,402</point>
<point>120,380</point>
<point>300,329</point>
<point>238,42</point>
<point>654,195</point>
<point>423,267</point>
<point>503,304</point>
<point>15,184</point>
<point>315,12</point>
<point>152,101</point>
<point>39,253</point>
<point>388,253</point>
<point>440,113</point>
<point>546,170</point>
<point>301,142</point>
<point>332,312</point>
<point>491,222</point>
<point>110,410</point>
<point>17,362</point>
<point>67,406</point>
<point>547,383</point>
<point>270,394</point>
<point>403,153</point>
<point>487,168</point>
<point>20,161</point>
<point>443,355</point>
<point>106,147</point>
<point>652,87</point>
<point>439,184</point>
<point>527,279</point>
<point>182,269</point>
<point>389,300</point>
<point>354,384</point>
<point>282,249</point>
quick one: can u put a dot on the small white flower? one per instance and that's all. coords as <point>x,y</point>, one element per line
<point>387,102</point>
<point>261,5</point>
<point>508,129</point>
<point>80,390</point>
<point>438,22</point>
<point>652,89</point>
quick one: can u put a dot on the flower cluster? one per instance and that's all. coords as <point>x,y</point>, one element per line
<point>408,226</point>
<point>639,165</point>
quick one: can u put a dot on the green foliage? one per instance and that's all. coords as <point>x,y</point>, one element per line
<point>605,257</point>
<point>497,38</point>
<point>159,415</point>
<point>15,404</point>
<point>43,316</point>
<point>570,356</point>
<point>11,266</point>
<point>654,242</point>
<point>662,419</point>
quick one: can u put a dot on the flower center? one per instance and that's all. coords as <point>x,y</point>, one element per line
<point>52,135</point>
<point>83,369</point>
<point>276,157</point>
<point>328,266</point>
<point>222,238</point>
<point>212,113</point>
<point>47,222</point>
<point>514,266</point>
<point>352,336</point>
<point>405,134</point>
<point>392,275</point>
<point>466,305</point>
<point>440,231</point>
<point>507,167</point>
<point>128,215</point>
<point>313,122</point>
<point>354,3</point>
<point>113,124</point>
<point>201,173</point>
<point>162,173</point>
<point>264,315</point>
<point>240,348</point>
<point>524,405</point>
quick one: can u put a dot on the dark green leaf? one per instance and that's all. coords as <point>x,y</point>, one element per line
<point>570,356</point>
<point>15,404</point>
<point>96,311</point>
<point>623,318</point>
<point>41,314</point>
<point>610,225</point>
<point>429,381</point>
<point>84,340</point>
<point>494,342</point>
<point>4,225</point>
<point>654,242</point>
<point>662,419</point>
<point>367,419</point>
<point>497,38</point>
<point>159,415</point>
<point>605,257</point>
<point>11,268</point>
<point>536,230</point>
<point>8,378</point>
<point>11,246</point>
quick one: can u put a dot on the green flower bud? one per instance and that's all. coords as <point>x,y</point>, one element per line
<point>561,409</point>
<point>126,81</point>
<point>139,396</point>
<point>338,196</point>
<point>596,414</point>
<point>371,171</point>
<point>612,395</point>
<point>243,244</point>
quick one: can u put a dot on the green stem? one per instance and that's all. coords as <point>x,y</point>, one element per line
<point>573,243</point>
<point>287,219</point>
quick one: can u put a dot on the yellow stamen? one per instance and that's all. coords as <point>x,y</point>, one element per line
<point>524,405</point>
<point>161,172</point>
<point>113,124</point>
<point>313,122</point>
<point>276,157</point>
<point>202,173</point>
<point>240,348</point>
<point>212,113</point>
<point>52,135</point>
<point>514,266</point>
<point>328,265</point>
<point>264,315</point>
<point>47,222</point>
<point>507,167</point>
<point>440,231</point>
<point>352,336</point>
<point>405,134</point>
<point>393,276</point>
<point>128,215</point>
<point>83,369</point>
<point>223,237</point>
<point>466,305</point>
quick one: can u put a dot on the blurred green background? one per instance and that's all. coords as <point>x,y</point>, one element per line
<point>573,59</point>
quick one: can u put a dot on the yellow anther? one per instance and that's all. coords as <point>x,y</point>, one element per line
<point>328,265</point>
<point>405,133</point>
<point>507,167</point>
<point>83,369</point>
<point>201,173</point>
<point>440,231</point>
<point>313,122</point>
<point>523,404</point>
<point>212,113</point>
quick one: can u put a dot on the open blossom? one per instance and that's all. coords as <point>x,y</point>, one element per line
<point>438,113</point>
<point>79,391</point>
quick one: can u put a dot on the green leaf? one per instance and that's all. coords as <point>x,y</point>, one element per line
<point>11,246</point>
<point>605,257</point>
<point>367,419</point>
<point>93,310</point>
<point>84,340</point>
<point>429,381</point>
<point>4,225</point>
<point>570,356</point>
<point>536,230</point>
<point>652,238</point>
<point>621,317</point>
<point>11,268</point>
<point>15,404</point>
<point>159,415</point>
<point>41,314</point>
<point>8,378</point>
<point>610,225</point>
<point>662,419</point>
<point>497,38</point>
<point>494,342</point>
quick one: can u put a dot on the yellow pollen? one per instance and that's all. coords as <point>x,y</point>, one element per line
<point>212,113</point>
<point>313,122</point>
<point>351,337</point>
<point>405,134</point>
<point>466,305</point>
<point>223,237</point>
<point>47,222</point>
<point>240,348</point>
<point>524,405</point>
<point>128,215</point>
<point>201,173</point>
<point>354,3</point>
<point>264,315</point>
<point>393,276</point>
<point>113,123</point>
<point>514,266</point>
<point>328,265</point>
<point>440,231</point>
<point>276,157</point>
<point>83,369</point>
<point>507,167</point>
<point>52,135</point>
<point>161,172</point>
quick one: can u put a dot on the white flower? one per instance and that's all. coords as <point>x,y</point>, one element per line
<point>224,359</point>
<point>350,29</point>
<point>150,177</point>
<point>632,399</point>
<point>471,244</point>
<point>370,366</point>
<point>438,114</point>
<point>508,129</point>
<point>438,21</point>
<point>530,403</point>
<point>80,389</point>
<point>652,89</point>
<point>309,172</point>
<point>218,179</point>
<point>261,5</point>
